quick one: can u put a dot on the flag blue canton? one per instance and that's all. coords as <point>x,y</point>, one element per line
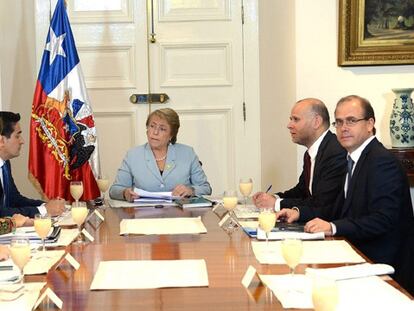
<point>51,75</point>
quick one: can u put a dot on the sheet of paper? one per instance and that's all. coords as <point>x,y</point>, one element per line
<point>39,265</point>
<point>369,293</point>
<point>139,274</point>
<point>26,300</point>
<point>65,238</point>
<point>331,251</point>
<point>162,226</point>
<point>155,195</point>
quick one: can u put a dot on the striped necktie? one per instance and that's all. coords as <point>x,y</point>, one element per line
<point>349,174</point>
<point>6,186</point>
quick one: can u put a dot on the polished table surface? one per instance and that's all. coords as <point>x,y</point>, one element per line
<point>227,260</point>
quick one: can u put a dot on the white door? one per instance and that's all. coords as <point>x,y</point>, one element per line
<point>196,59</point>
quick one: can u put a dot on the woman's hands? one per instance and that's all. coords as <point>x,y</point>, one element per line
<point>183,191</point>
<point>130,195</point>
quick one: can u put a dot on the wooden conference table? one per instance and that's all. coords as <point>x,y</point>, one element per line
<point>227,260</point>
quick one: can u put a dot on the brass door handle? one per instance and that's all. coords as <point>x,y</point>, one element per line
<point>149,98</point>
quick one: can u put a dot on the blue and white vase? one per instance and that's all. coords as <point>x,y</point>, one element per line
<point>402,119</point>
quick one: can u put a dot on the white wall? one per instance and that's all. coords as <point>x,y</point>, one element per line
<point>18,75</point>
<point>317,73</point>
<point>277,92</point>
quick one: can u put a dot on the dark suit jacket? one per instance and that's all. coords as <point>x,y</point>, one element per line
<point>329,169</point>
<point>19,204</point>
<point>376,213</point>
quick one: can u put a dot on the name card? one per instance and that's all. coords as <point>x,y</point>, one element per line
<point>248,276</point>
<point>52,296</point>
<point>88,235</point>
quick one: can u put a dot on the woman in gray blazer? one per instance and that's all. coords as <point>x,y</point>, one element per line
<point>160,164</point>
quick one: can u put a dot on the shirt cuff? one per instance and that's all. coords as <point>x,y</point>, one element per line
<point>42,209</point>
<point>333,228</point>
<point>277,203</point>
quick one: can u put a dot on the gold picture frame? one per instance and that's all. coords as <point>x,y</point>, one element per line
<point>369,36</point>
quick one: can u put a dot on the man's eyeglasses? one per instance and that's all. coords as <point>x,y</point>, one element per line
<point>348,122</point>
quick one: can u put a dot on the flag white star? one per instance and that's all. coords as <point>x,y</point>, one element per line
<point>54,46</point>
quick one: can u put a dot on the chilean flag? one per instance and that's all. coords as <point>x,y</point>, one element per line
<point>63,140</point>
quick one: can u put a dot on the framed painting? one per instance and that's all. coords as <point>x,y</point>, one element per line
<point>376,32</point>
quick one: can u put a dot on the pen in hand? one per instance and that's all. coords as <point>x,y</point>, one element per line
<point>268,188</point>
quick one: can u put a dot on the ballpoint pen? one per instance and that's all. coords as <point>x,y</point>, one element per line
<point>268,188</point>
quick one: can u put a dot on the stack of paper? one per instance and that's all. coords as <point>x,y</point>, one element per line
<point>150,274</point>
<point>31,234</point>
<point>154,197</point>
<point>9,273</point>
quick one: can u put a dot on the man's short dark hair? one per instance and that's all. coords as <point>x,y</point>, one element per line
<point>9,120</point>
<point>318,107</point>
<point>365,105</point>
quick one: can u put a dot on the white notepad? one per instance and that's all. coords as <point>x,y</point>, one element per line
<point>314,252</point>
<point>186,225</point>
<point>141,274</point>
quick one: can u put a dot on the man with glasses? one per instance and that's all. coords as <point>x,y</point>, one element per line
<point>324,161</point>
<point>373,210</point>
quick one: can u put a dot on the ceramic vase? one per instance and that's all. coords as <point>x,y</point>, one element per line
<point>402,119</point>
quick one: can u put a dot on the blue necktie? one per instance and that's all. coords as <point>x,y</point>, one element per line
<point>349,174</point>
<point>6,185</point>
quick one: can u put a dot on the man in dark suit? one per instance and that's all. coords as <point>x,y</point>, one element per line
<point>324,161</point>
<point>373,210</point>
<point>11,201</point>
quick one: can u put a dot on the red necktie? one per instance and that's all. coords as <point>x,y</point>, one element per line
<point>307,170</point>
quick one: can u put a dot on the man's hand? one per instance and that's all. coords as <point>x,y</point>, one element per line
<point>130,195</point>
<point>21,220</point>
<point>264,200</point>
<point>55,207</point>
<point>318,225</point>
<point>182,191</point>
<point>4,252</point>
<point>287,215</point>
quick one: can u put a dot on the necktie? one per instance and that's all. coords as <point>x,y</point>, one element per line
<point>6,185</point>
<point>307,169</point>
<point>349,174</point>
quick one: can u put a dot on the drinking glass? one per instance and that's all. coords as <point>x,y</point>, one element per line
<point>230,200</point>
<point>292,250</point>
<point>79,213</point>
<point>20,253</point>
<point>324,293</point>
<point>42,225</point>
<point>230,203</point>
<point>267,220</point>
<point>76,190</point>
<point>246,187</point>
<point>103,185</point>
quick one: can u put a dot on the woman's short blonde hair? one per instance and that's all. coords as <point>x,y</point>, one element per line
<point>172,119</point>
